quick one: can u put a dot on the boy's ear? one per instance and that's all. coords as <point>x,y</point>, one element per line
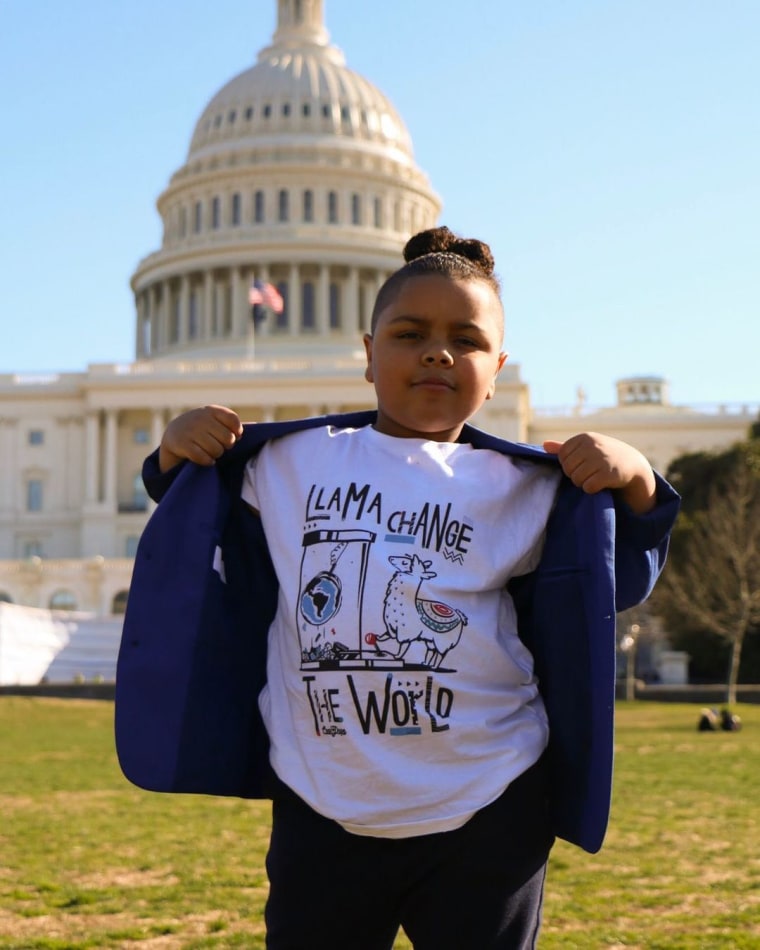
<point>503,356</point>
<point>368,350</point>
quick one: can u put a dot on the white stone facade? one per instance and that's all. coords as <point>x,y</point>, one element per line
<point>301,173</point>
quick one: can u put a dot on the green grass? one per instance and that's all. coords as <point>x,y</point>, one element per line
<point>86,860</point>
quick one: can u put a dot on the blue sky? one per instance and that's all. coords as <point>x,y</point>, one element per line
<point>608,151</point>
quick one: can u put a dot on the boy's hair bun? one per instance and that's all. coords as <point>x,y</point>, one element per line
<point>439,252</point>
<point>443,241</point>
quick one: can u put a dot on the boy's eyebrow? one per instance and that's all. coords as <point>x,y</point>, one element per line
<point>411,318</point>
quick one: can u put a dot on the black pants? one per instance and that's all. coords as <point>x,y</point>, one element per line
<point>479,887</point>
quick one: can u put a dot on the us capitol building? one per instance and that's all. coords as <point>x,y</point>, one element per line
<point>301,173</point>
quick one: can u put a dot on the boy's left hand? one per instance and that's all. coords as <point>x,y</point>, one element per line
<point>594,462</point>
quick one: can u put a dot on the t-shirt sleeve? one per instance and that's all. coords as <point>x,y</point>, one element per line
<point>249,492</point>
<point>539,496</point>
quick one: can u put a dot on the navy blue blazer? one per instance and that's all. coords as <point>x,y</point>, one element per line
<point>193,653</point>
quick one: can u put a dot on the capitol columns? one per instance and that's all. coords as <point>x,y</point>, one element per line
<point>352,309</point>
<point>92,458</point>
<point>294,300</point>
<point>239,303</point>
<point>110,466</point>
<point>323,300</point>
<point>184,307</point>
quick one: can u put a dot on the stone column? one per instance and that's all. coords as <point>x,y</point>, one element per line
<point>351,303</point>
<point>209,330</point>
<point>92,458</point>
<point>109,475</point>
<point>184,307</point>
<point>8,470</point>
<point>294,300</point>
<point>323,300</point>
<point>262,273</point>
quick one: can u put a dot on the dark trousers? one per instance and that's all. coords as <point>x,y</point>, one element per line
<point>479,887</point>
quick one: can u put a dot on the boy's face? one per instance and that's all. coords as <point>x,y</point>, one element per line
<point>434,356</point>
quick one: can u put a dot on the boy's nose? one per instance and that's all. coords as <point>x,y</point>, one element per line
<point>438,354</point>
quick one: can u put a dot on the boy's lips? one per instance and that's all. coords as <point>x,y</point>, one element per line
<point>433,382</point>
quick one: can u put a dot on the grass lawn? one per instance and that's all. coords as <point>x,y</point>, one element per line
<point>86,860</point>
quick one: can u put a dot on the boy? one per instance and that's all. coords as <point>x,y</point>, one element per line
<point>385,588</point>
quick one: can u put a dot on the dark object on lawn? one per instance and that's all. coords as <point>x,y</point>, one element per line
<point>708,720</point>
<point>729,722</point>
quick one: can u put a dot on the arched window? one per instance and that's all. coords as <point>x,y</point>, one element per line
<point>62,600</point>
<point>119,602</point>
<point>34,495</point>
<point>235,210</point>
<point>308,205</point>
<point>332,207</point>
<point>215,213</point>
<point>334,306</point>
<point>282,205</point>
<point>198,217</point>
<point>308,317</point>
<point>258,207</point>
<point>378,212</point>
<point>356,209</point>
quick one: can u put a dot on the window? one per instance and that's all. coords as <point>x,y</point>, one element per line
<point>231,116</point>
<point>130,545</point>
<point>141,436</point>
<point>326,111</point>
<point>197,217</point>
<point>192,315</point>
<point>258,207</point>
<point>119,602</point>
<point>182,221</point>
<point>306,109</point>
<point>249,113</point>
<point>378,213</point>
<point>33,548</point>
<point>332,207</point>
<point>174,320</point>
<point>5,598</point>
<point>267,111</point>
<point>139,494</point>
<point>282,205</point>
<point>34,494</point>
<point>235,210</point>
<point>215,214</point>
<point>63,600</point>
<point>308,318</point>
<point>286,108</point>
<point>356,209</point>
<point>36,437</point>
<point>334,306</point>
<point>281,323</point>
<point>308,206</point>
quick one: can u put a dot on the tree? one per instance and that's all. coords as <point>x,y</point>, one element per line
<point>713,579</point>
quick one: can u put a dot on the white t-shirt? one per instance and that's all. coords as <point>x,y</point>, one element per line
<point>399,698</point>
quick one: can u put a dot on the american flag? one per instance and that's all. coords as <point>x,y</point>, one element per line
<point>265,295</point>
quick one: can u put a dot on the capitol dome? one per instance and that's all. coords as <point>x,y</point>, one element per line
<point>300,173</point>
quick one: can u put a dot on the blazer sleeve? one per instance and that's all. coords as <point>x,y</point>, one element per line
<point>158,483</point>
<point>641,545</point>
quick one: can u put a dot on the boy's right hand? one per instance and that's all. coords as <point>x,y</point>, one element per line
<point>200,435</point>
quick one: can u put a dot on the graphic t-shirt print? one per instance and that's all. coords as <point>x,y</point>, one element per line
<point>335,630</point>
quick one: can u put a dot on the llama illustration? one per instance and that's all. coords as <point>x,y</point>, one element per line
<point>409,617</point>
